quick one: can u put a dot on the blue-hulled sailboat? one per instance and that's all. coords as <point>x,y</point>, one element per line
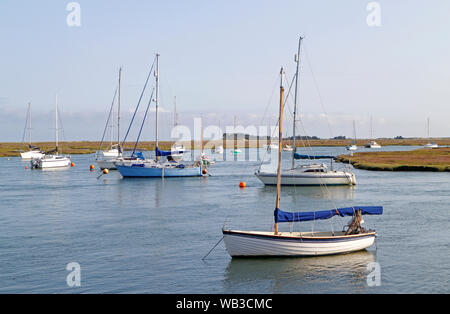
<point>164,165</point>
<point>267,243</point>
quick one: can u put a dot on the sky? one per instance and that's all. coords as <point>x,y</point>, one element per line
<point>221,59</point>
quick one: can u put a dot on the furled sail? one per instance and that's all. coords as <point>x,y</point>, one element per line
<point>166,153</point>
<point>281,216</point>
<point>298,156</point>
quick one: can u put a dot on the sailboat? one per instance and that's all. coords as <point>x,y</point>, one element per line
<point>372,143</point>
<point>177,150</point>
<point>204,159</point>
<point>353,146</point>
<point>289,244</point>
<point>219,148</point>
<point>156,168</point>
<point>107,159</point>
<point>235,150</point>
<point>52,159</point>
<point>34,152</point>
<point>310,174</point>
<point>430,144</point>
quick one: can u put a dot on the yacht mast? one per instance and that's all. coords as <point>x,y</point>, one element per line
<point>157,100</point>
<point>280,136</point>
<point>297,60</point>
<point>119,150</point>
<point>56,123</point>
<point>29,124</point>
<point>175,118</point>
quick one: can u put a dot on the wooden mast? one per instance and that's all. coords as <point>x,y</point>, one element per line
<point>280,136</point>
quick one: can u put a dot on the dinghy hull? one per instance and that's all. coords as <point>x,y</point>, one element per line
<point>254,244</point>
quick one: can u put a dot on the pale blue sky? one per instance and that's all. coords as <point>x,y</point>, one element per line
<point>222,58</point>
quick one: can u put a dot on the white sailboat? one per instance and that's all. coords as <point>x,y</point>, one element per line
<point>149,168</point>
<point>430,144</point>
<point>288,148</point>
<point>266,243</point>
<point>177,150</point>
<point>218,149</point>
<point>106,159</point>
<point>353,146</point>
<point>52,159</point>
<point>304,175</point>
<point>235,150</point>
<point>372,143</point>
<point>33,152</point>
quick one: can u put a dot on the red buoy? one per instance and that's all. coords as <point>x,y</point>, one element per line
<point>242,184</point>
<point>91,167</point>
<point>72,164</point>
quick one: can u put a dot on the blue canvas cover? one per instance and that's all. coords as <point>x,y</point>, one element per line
<point>281,216</point>
<point>162,152</point>
<point>298,156</point>
<point>140,155</point>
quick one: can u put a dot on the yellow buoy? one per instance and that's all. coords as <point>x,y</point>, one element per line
<point>105,171</point>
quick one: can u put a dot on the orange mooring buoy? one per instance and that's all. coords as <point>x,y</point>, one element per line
<point>242,184</point>
<point>91,167</point>
<point>105,171</point>
<point>204,171</point>
<point>72,164</point>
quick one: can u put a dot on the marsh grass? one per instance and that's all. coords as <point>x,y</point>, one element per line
<point>437,159</point>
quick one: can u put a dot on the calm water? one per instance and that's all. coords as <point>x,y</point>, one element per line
<point>149,235</point>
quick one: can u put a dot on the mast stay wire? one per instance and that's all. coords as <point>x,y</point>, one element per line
<point>326,192</point>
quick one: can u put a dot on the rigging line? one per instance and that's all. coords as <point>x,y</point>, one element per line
<point>263,118</point>
<point>26,122</point>
<point>204,257</point>
<point>317,89</point>
<point>143,121</point>
<point>278,121</point>
<point>270,100</point>
<point>323,186</point>
<point>107,121</point>
<point>62,128</point>
<point>140,98</point>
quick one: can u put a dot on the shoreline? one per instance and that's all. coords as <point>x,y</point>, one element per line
<point>423,159</point>
<point>12,149</point>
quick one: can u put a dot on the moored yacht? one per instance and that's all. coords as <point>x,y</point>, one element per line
<point>312,174</point>
<point>52,159</point>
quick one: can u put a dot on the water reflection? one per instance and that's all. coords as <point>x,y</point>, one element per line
<point>299,275</point>
<point>313,192</point>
